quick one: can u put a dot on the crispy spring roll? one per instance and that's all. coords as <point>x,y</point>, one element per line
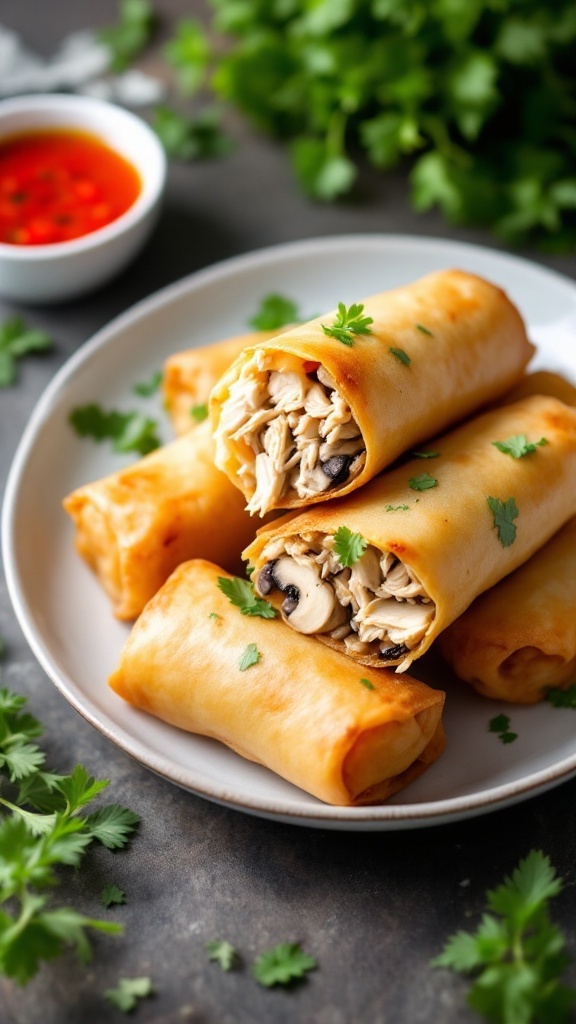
<point>135,526</point>
<point>302,710</point>
<point>519,638</point>
<point>432,534</point>
<point>309,416</point>
<point>189,376</point>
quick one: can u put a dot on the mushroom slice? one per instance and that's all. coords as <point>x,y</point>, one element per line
<point>310,603</point>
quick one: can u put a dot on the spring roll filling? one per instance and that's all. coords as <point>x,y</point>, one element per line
<point>294,433</point>
<point>377,606</point>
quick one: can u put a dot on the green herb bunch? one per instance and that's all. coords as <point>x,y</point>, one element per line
<point>481,94</point>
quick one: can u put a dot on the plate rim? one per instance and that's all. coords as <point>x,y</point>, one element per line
<point>378,817</point>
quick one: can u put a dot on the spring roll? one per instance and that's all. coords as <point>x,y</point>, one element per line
<point>300,709</point>
<point>135,526</point>
<point>304,417</point>
<point>519,638</point>
<point>189,376</point>
<point>379,574</point>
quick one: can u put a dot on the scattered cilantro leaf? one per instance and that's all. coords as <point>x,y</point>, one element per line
<point>562,698</point>
<point>241,594</point>
<point>224,954</point>
<point>149,387</point>
<point>189,54</point>
<point>501,725</point>
<point>400,355</point>
<point>214,615</point>
<point>251,656</point>
<point>424,330</point>
<point>199,412</point>
<point>349,323</point>
<point>422,482</point>
<point>396,508</point>
<point>518,445</point>
<point>132,33</point>
<point>129,431</point>
<point>191,138</point>
<point>504,512</point>
<point>516,957</point>
<point>17,340</point>
<point>366,682</point>
<point>128,991</point>
<point>111,895</point>
<point>275,311</point>
<point>349,546</point>
<point>283,964</point>
<point>425,454</point>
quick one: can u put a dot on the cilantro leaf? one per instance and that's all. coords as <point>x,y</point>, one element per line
<point>241,594</point>
<point>366,682</point>
<point>349,546</point>
<point>130,431</point>
<point>251,656</point>
<point>128,991</point>
<point>199,413</point>
<point>190,138</point>
<point>224,954</point>
<point>17,340</point>
<point>111,825</point>
<point>400,355</point>
<point>111,895</point>
<point>348,323</point>
<point>518,445</point>
<point>283,964</point>
<point>189,54</point>
<point>422,482</point>
<point>562,698</point>
<point>504,512</point>
<point>501,725</point>
<point>129,37</point>
<point>275,311</point>
<point>149,387</point>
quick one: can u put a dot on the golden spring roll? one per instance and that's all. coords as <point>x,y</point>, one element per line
<point>302,710</point>
<point>189,376</point>
<point>437,531</point>
<point>304,417</point>
<point>519,638</point>
<point>135,526</point>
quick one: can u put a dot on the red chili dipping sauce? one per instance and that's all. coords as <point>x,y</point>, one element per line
<point>58,184</point>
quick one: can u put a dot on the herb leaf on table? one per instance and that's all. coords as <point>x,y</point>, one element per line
<point>17,340</point>
<point>283,964</point>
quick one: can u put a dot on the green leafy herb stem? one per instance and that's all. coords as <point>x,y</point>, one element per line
<point>349,323</point>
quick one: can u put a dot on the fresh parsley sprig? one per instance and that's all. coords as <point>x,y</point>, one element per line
<point>282,965</point>
<point>275,311</point>
<point>518,445</point>
<point>17,340</point>
<point>129,431</point>
<point>132,33</point>
<point>504,512</point>
<point>349,323</point>
<point>349,546</point>
<point>191,138</point>
<point>241,594</point>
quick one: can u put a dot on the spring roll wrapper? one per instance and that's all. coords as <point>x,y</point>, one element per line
<point>189,376</point>
<point>519,638</point>
<point>301,710</point>
<point>448,536</point>
<point>135,526</point>
<point>477,349</point>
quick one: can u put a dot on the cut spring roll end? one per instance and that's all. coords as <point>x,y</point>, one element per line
<point>300,709</point>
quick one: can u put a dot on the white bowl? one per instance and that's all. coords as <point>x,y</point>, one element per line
<point>65,270</point>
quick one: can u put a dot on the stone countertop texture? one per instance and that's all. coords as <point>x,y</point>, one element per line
<point>372,908</point>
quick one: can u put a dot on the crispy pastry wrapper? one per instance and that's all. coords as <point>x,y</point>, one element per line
<point>135,526</point>
<point>301,710</point>
<point>519,638</point>
<point>189,376</point>
<point>447,536</point>
<point>467,346</point>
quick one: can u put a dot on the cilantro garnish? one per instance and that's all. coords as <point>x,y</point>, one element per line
<point>149,387</point>
<point>129,37</point>
<point>562,698</point>
<point>400,355</point>
<point>348,546</point>
<point>518,445</point>
<point>111,895</point>
<point>199,413</point>
<point>189,54</point>
<point>17,340</point>
<point>130,431</point>
<point>501,725</point>
<point>425,454</point>
<point>424,330</point>
<point>128,991</point>
<point>366,682</point>
<point>275,311</point>
<point>284,963</point>
<point>241,594</point>
<point>422,482</point>
<point>349,322</point>
<point>516,957</point>
<point>396,508</point>
<point>224,954</point>
<point>251,656</point>
<point>504,514</point>
<point>190,138</point>
<point>214,615</point>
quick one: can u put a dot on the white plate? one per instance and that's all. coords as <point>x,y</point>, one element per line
<point>67,618</point>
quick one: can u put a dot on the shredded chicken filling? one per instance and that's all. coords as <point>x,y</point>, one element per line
<point>296,429</point>
<point>377,606</point>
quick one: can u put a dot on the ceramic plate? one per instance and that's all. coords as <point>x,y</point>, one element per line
<point>67,618</point>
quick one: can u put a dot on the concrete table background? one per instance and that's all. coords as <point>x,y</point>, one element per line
<point>371,908</point>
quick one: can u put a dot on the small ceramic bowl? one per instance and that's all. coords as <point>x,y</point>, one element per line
<point>65,270</point>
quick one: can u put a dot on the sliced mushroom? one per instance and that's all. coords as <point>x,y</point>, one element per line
<point>310,603</point>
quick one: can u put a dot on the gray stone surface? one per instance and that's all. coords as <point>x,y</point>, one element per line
<point>372,908</point>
